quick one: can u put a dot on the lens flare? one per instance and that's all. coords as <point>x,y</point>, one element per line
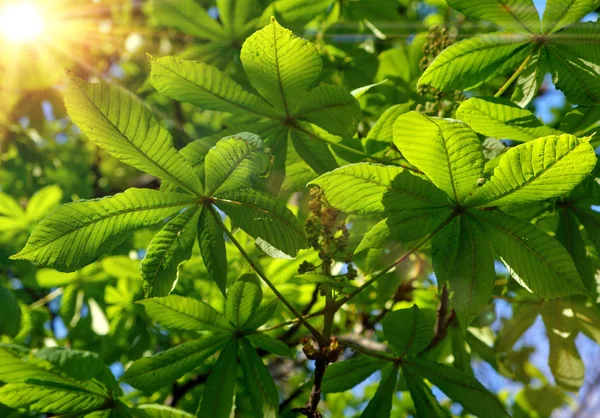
<point>21,22</point>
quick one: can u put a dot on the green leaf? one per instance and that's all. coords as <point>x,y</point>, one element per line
<point>206,87</point>
<point>537,170</point>
<point>43,202</point>
<point>186,16</point>
<point>409,331</point>
<point>297,12</point>
<point>168,249</point>
<point>531,79</point>
<point>212,247</point>
<point>380,406</point>
<point>458,386</point>
<point>15,367</point>
<point>524,315</point>
<point>161,411</point>
<point>467,264</point>
<point>243,299</point>
<point>345,375</point>
<point>366,188</point>
<point>534,259</point>
<point>54,397</point>
<point>280,66</point>
<point>425,402</point>
<point>264,312</point>
<point>473,61</point>
<point>380,137</point>
<point>258,381</point>
<point>185,314</point>
<point>569,234</point>
<point>564,359</point>
<point>9,207</point>
<point>331,107</point>
<point>217,398</point>
<point>574,65</point>
<point>560,13</point>
<point>77,364</point>
<point>118,122</point>
<point>236,16</point>
<point>270,344</point>
<point>502,119</point>
<point>310,144</point>
<point>233,164</point>
<point>403,227</point>
<point>152,373</point>
<point>78,233</point>
<point>266,219</point>
<point>516,15</point>
<point>582,121</point>
<point>446,150</point>
<point>10,313</point>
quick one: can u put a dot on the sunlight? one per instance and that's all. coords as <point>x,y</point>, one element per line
<point>21,22</point>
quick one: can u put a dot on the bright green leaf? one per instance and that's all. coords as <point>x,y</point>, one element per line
<point>78,233</point>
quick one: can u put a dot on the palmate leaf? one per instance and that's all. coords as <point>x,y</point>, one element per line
<point>500,118</point>
<point>343,376</point>
<point>160,411</point>
<point>78,233</point>
<point>171,246</point>
<point>531,79</point>
<point>212,248</point>
<point>120,123</point>
<point>380,406</point>
<point>332,107</point>
<point>58,398</point>
<point>403,227</point>
<point>560,13</point>
<point>258,382</point>
<point>49,380</point>
<point>10,313</point>
<point>185,314</point>
<point>233,164</point>
<point>425,402</point>
<point>187,16</point>
<point>574,64</point>
<point>564,360</point>
<point>462,257</point>
<point>270,344</point>
<point>366,188</point>
<point>536,260</point>
<point>280,66</point>
<point>446,150</point>
<point>409,331</point>
<point>537,170</point>
<point>264,218</point>
<point>205,86</point>
<point>516,15</point>
<point>473,61</point>
<point>217,398</point>
<point>152,373</point>
<point>243,299</point>
<point>458,386</point>
<point>582,121</point>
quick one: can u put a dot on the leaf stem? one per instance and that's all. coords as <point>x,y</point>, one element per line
<point>366,351</point>
<point>399,260</point>
<point>291,322</point>
<point>264,278</point>
<point>49,297</point>
<point>513,77</point>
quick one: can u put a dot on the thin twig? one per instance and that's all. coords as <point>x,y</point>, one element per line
<point>264,278</point>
